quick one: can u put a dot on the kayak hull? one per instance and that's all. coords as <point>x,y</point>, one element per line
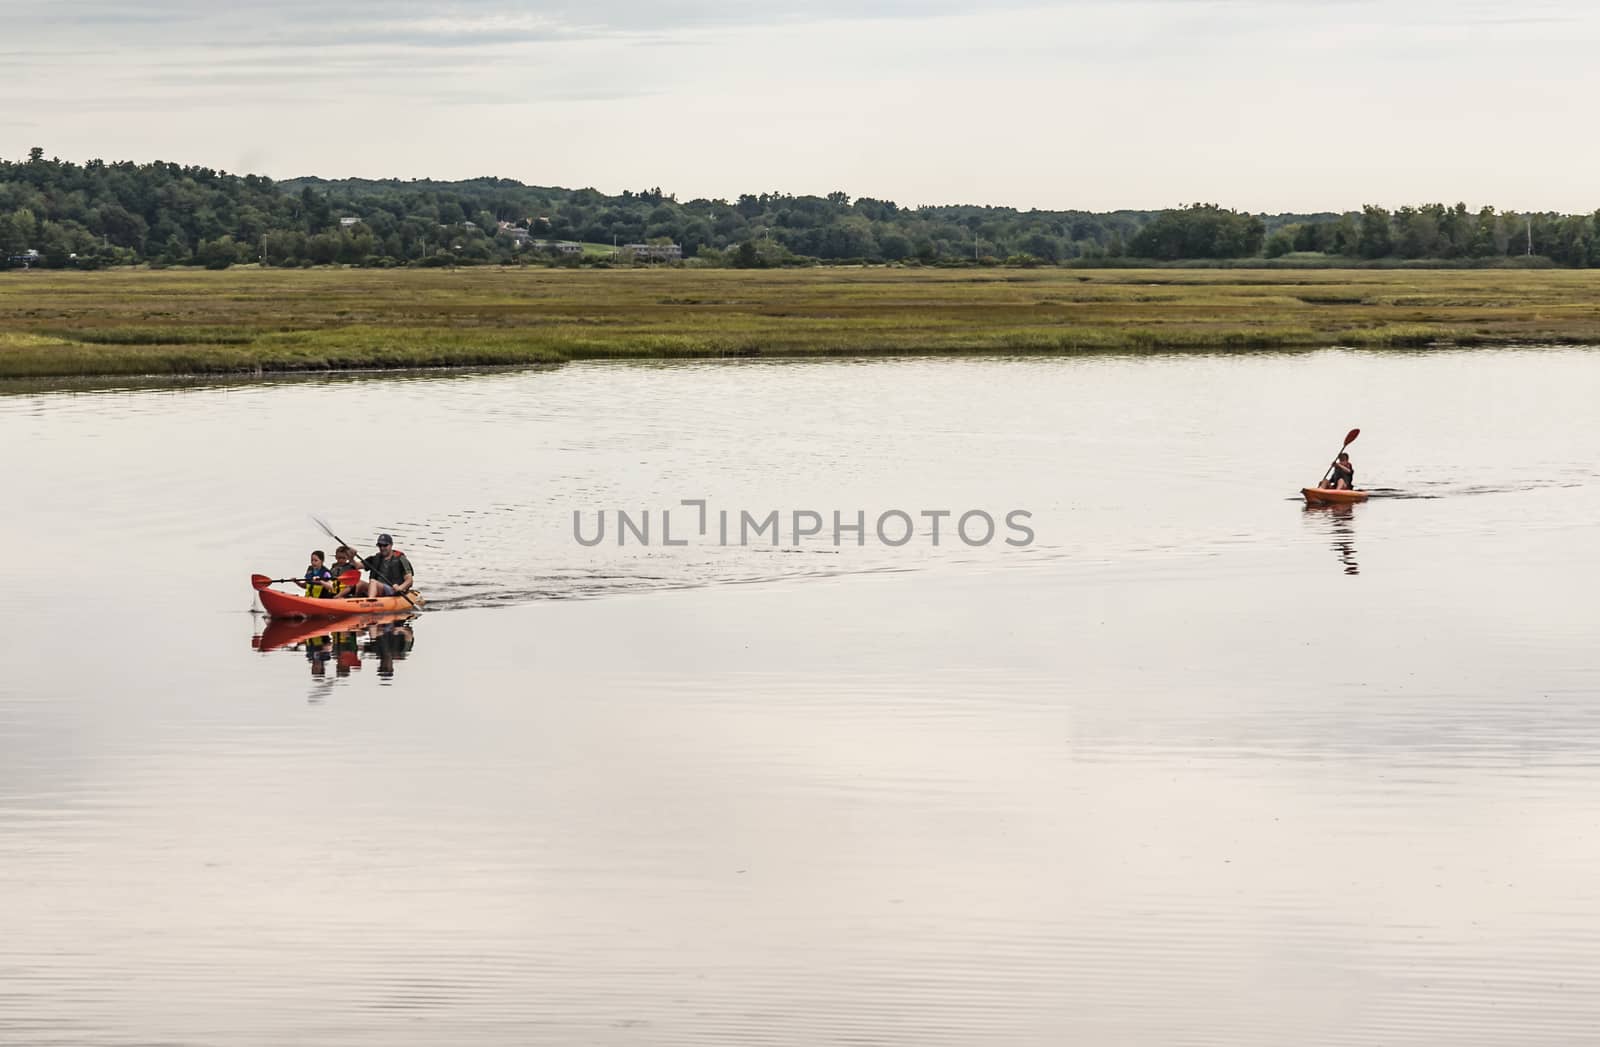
<point>1329,496</point>
<point>291,605</point>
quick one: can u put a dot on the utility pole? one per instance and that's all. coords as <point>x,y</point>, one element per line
<point>1530,235</point>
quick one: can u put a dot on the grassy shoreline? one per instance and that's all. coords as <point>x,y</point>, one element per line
<point>139,322</point>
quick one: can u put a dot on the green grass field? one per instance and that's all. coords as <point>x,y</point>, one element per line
<point>247,320</point>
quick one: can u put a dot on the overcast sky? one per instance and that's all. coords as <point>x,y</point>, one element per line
<point>1256,104</point>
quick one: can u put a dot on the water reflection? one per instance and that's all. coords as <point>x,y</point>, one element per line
<point>343,644</point>
<point>1339,521</point>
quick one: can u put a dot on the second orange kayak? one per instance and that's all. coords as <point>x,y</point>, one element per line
<point>1329,496</point>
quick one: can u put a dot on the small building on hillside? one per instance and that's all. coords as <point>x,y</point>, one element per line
<point>517,235</point>
<point>560,247</point>
<point>653,252</point>
<point>347,221</point>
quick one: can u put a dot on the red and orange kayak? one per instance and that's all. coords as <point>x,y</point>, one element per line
<point>1329,496</point>
<point>292,605</point>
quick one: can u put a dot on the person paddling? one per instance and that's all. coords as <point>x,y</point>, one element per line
<point>389,572</point>
<point>1344,473</point>
<point>318,580</point>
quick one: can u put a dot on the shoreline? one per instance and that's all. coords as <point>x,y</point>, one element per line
<point>11,385</point>
<point>196,324</point>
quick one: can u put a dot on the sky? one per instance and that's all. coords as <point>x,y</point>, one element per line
<point>1261,105</point>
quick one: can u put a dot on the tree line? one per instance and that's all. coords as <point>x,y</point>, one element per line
<point>56,213</point>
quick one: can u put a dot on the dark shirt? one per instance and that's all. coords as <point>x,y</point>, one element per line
<point>391,569</point>
<point>1345,473</point>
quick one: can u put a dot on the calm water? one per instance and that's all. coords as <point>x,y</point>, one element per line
<point>1197,766</point>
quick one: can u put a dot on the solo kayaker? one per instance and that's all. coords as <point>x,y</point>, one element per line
<point>389,572</point>
<point>318,580</point>
<point>1344,473</point>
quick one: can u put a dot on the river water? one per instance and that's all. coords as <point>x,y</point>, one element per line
<point>1193,765</point>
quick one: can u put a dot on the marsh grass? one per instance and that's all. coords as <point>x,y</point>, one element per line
<point>170,322</point>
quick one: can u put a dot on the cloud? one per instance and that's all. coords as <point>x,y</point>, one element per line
<point>309,22</point>
<point>1288,103</point>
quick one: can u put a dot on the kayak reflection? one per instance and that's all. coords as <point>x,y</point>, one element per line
<point>345,643</point>
<point>1341,530</point>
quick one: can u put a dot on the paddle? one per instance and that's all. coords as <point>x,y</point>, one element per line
<point>320,522</point>
<point>1349,438</point>
<point>261,581</point>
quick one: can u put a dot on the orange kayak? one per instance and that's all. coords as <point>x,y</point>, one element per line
<point>293,605</point>
<point>1328,496</point>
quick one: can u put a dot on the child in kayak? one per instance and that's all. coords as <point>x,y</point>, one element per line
<point>1344,474</point>
<point>344,561</point>
<point>318,580</point>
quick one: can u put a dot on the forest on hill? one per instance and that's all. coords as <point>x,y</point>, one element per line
<point>59,214</point>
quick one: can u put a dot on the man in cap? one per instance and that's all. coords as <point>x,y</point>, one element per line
<point>389,572</point>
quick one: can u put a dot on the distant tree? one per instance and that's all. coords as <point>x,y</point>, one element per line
<point>1198,231</point>
<point>13,241</point>
<point>119,225</point>
<point>1569,243</point>
<point>323,248</point>
<point>1376,239</point>
<point>1482,243</point>
<point>175,251</point>
<point>894,246</point>
<point>1043,246</point>
<point>1455,231</point>
<point>1419,233</point>
<point>217,254</point>
<point>314,207</point>
<point>284,247</point>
